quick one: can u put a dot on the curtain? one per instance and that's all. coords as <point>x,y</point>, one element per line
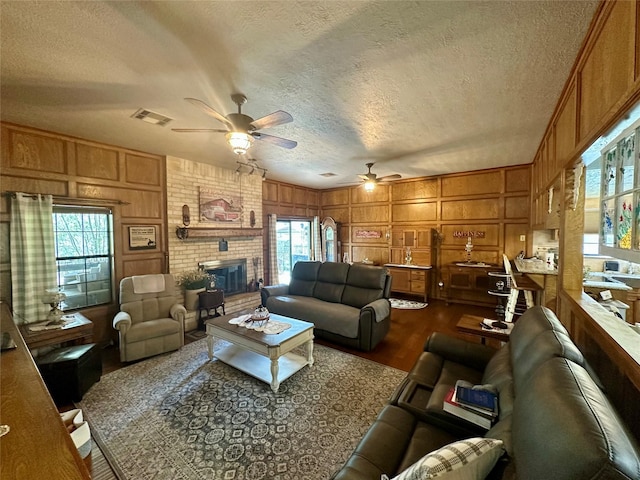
<point>273,250</point>
<point>33,260</point>
<point>316,246</point>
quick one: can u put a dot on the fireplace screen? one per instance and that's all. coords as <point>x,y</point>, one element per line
<point>231,275</point>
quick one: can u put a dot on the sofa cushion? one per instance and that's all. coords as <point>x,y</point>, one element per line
<point>547,345</point>
<point>468,459</point>
<point>152,329</point>
<point>565,428</point>
<point>395,440</point>
<point>332,317</point>
<point>364,285</point>
<point>332,277</point>
<point>303,278</point>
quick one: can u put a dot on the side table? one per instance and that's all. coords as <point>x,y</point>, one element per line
<point>472,324</point>
<point>79,331</point>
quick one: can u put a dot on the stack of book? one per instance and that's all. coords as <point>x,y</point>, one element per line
<point>472,403</point>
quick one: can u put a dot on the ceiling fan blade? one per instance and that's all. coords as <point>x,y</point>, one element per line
<point>209,111</point>
<point>271,120</point>
<point>386,178</point>
<point>281,142</point>
<point>364,177</point>
<point>198,130</point>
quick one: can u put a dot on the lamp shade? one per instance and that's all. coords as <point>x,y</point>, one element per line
<point>240,142</point>
<point>369,186</point>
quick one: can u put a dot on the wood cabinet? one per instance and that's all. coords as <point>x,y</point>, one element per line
<point>469,284</point>
<point>410,279</point>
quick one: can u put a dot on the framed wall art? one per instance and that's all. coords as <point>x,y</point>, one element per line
<point>142,237</point>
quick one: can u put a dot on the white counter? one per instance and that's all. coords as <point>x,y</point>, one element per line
<point>534,266</point>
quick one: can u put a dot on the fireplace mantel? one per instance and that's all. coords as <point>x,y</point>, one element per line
<point>209,232</point>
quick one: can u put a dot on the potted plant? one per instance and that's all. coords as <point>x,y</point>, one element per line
<point>193,282</point>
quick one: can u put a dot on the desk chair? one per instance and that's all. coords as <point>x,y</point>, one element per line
<point>519,283</point>
<point>207,301</point>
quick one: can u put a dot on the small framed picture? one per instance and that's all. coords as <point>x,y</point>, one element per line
<point>142,238</point>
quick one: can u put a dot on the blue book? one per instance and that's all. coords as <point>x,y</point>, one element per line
<point>481,399</point>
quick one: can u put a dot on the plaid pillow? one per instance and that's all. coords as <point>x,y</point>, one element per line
<point>470,459</point>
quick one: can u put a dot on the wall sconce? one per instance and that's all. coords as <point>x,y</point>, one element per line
<point>182,232</point>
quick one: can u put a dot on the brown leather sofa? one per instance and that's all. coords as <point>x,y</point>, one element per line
<point>555,421</point>
<point>348,304</point>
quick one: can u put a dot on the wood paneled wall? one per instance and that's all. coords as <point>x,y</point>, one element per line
<point>88,173</point>
<point>603,86</point>
<point>495,203</point>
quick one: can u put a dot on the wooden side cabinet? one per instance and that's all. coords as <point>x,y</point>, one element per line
<point>410,279</point>
<point>469,285</point>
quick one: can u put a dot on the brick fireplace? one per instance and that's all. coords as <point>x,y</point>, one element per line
<point>184,179</point>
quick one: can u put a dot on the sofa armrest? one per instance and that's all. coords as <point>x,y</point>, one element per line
<point>122,321</point>
<point>378,309</point>
<point>473,355</point>
<point>178,312</point>
<point>273,291</point>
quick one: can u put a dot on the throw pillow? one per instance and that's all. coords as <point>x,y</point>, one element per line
<point>470,459</point>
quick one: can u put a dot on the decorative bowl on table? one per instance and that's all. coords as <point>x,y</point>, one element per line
<point>260,315</point>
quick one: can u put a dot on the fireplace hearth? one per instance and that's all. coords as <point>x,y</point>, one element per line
<point>231,275</point>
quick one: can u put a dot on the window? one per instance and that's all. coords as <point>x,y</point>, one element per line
<point>620,194</point>
<point>84,255</point>
<point>294,244</point>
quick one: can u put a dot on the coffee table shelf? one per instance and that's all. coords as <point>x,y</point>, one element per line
<point>259,366</point>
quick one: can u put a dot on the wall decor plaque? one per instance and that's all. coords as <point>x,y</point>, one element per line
<point>368,234</point>
<point>142,237</point>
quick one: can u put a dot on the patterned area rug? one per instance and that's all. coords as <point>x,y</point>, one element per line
<point>406,304</point>
<point>179,416</point>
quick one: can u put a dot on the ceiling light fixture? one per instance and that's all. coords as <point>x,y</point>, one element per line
<point>369,185</point>
<point>252,165</point>
<point>240,142</point>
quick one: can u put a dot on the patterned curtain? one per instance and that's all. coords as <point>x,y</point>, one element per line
<point>273,250</point>
<point>33,259</point>
<point>316,246</point>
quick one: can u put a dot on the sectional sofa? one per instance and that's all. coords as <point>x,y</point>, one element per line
<point>555,422</point>
<point>348,304</point>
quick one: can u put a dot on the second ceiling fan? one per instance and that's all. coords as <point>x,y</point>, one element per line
<point>242,129</point>
<point>371,179</point>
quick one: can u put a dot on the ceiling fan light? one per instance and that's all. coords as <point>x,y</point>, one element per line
<point>240,142</point>
<point>369,185</point>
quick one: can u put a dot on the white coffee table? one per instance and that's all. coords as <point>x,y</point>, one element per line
<point>268,358</point>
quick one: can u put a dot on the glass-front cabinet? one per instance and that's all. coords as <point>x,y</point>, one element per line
<point>620,195</point>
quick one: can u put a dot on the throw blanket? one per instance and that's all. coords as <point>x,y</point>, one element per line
<point>148,283</point>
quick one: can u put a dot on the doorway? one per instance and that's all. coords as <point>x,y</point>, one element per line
<point>294,245</point>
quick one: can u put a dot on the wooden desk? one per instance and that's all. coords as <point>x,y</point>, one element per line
<point>80,331</point>
<point>38,444</point>
<point>471,324</point>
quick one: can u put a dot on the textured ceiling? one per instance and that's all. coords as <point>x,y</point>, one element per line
<point>420,88</point>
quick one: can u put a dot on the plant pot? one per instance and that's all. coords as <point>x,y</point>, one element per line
<point>191,298</point>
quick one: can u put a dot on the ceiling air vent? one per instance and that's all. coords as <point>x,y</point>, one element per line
<point>151,117</point>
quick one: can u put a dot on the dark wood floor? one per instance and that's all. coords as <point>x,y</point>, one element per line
<point>402,345</point>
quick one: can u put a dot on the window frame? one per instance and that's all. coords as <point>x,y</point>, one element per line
<point>90,288</point>
<point>618,195</point>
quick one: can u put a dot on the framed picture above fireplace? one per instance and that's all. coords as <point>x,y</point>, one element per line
<point>219,207</point>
